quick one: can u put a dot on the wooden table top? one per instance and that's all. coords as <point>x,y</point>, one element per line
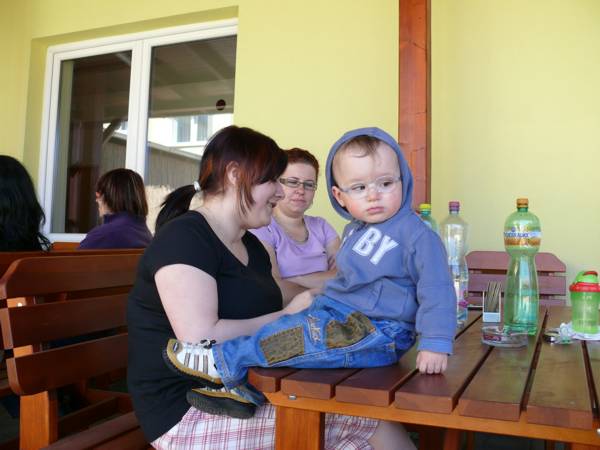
<point>543,390</point>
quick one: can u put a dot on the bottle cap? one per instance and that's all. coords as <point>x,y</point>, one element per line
<point>585,281</point>
<point>454,205</point>
<point>522,203</point>
<point>424,207</point>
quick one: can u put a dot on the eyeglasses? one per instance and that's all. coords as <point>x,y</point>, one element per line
<point>294,183</point>
<point>383,185</point>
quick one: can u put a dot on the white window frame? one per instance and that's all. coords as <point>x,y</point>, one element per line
<point>140,45</point>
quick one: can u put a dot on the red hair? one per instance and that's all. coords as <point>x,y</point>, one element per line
<point>298,155</point>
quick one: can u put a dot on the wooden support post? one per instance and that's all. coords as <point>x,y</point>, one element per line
<point>452,439</point>
<point>299,429</point>
<point>430,438</point>
<point>38,430</point>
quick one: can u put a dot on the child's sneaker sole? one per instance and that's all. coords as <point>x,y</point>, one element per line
<point>221,403</point>
<point>170,357</point>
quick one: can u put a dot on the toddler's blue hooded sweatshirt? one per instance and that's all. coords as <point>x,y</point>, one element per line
<point>396,269</point>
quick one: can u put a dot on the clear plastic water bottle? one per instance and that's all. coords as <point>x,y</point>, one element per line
<point>425,213</point>
<point>522,236</point>
<point>453,231</point>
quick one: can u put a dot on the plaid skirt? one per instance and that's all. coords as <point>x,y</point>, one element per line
<point>199,431</point>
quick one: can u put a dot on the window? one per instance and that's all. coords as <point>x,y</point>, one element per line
<point>148,102</point>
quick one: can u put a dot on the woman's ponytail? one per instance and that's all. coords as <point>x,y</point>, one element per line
<point>176,203</point>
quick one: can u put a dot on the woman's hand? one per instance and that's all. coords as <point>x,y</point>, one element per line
<point>299,303</point>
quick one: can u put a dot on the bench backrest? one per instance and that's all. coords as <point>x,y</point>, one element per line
<point>7,258</point>
<point>486,266</point>
<point>70,328</point>
<point>40,321</point>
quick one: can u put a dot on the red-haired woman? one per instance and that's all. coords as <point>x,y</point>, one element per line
<point>205,275</point>
<point>302,248</point>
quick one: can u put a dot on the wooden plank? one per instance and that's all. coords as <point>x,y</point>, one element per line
<point>314,383</point>
<point>547,301</point>
<point>494,260</point>
<point>453,420</point>
<point>7,258</point>
<point>268,380</point>
<point>376,386</point>
<point>67,274</point>
<point>548,284</point>
<point>33,324</point>
<point>50,369</point>
<point>86,416</point>
<point>98,434</point>
<point>56,246</point>
<point>298,429</point>
<point>559,394</point>
<point>132,440</point>
<point>439,393</point>
<point>498,387</point>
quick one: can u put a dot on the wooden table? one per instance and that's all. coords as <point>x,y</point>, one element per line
<point>544,391</point>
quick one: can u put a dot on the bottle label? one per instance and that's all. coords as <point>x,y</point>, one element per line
<point>522,238</point>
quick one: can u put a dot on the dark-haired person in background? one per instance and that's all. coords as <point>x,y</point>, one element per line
<point>21,215</point>
<point>122,205</point>
<point>21,218</point>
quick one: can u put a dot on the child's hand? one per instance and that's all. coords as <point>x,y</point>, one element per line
<point>431,362</point>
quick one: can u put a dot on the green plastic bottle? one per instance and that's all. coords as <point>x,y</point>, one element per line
<point>522,236</point>
<point>425,210</point>
<point>585,297</point>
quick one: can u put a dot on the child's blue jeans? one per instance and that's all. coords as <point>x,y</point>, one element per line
<point>327,335</point>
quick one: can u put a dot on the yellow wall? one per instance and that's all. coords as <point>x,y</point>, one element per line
<point>516,96</point>
<point>516,112</point>
<point>306,71</point>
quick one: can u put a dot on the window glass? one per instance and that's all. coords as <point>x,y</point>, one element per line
<point>191,97</point>
<point>92,117</point>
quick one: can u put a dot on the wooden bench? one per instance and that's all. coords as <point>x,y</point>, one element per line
<point>66,297</point>
<point>541,391</point>
<point>486,266</point>
<point>7,258</point>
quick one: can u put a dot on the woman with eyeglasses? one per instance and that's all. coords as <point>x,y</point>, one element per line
<point>302,248</point>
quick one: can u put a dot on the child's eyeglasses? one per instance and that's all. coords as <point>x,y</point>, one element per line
<point>383,185</point>
<point>294,183</point>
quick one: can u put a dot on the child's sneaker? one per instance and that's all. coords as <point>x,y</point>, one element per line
<point>194,361</point>
<point>221,402</point>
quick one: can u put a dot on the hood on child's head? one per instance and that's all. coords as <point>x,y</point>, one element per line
<point>407,182</point>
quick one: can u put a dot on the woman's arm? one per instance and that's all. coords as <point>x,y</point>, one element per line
<point>288,288</point>
<point>189,296</point>
<point>316,280</point>
<point>332,249</point>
